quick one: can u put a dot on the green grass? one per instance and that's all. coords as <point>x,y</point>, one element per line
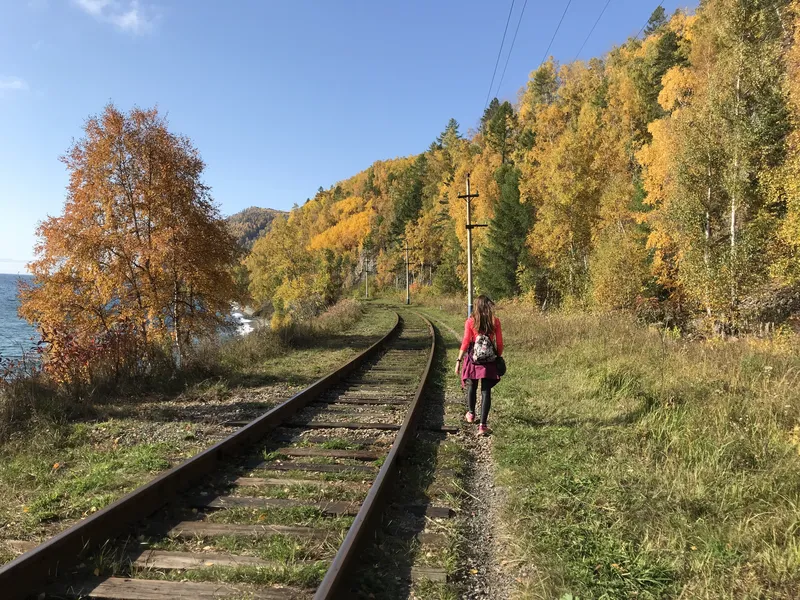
<point>274,547</point>
<point>642,465</point>
<point>67,476</point>
<point>316,493</point>
<point>338,444</point>
<point>302,360</point>
<point>342,476</point>
<point>435,591</point>
<point>305,575</point>
<point>298,516</point>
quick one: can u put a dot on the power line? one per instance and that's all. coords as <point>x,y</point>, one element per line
<point>592,31</point>
<point>514,39</point>
<point>546,52</point>
<point>499,52</point>
<point>648,19</point>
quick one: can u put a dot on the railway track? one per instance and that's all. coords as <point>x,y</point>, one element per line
<point>277,510</point>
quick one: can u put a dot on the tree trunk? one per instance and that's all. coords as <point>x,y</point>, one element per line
<point>707,249</point>
<point>735,190</point>
<point>177,323</point>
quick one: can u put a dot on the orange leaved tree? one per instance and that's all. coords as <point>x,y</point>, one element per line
<point>140,259</point>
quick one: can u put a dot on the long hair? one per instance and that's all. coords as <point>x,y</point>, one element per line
<point>483,315</point>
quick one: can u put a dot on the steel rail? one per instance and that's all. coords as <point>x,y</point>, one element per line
<point>36,568</point>
<point>339,573</point>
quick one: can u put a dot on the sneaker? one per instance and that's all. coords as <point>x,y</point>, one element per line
<point>469,417</point>
<point>483,430</point>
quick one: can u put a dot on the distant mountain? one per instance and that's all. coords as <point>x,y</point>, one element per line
<point>251,223</point>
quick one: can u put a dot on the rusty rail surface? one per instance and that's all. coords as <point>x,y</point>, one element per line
<point>31,572</point>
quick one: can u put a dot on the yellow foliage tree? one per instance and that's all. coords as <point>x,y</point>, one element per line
<point>140,257</point>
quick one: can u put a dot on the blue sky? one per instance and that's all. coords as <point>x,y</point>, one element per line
<point>280,97</point>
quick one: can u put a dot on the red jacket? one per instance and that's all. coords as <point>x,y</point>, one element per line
<point>470,334</point>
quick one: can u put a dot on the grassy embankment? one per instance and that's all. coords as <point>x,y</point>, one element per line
<point>642,465</point>
<point>54,470</point>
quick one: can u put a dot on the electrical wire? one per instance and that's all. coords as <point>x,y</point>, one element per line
<point>592,31</point>
<point>546,52</point>
<point>514,39</point>
<point>499,52</point>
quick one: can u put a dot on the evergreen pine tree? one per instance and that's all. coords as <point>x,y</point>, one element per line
<point>543,86</point>
<point>490,112</point>
<point>657,20</point>
<point>497,124</point>
<point>506,238</point>
<point>446,280</point>
<point>407,193</point>
<point>449,136</point>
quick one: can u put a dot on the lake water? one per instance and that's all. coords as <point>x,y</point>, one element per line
<point>16,335</point>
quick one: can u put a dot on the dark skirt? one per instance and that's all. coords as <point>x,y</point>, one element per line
<point>470,370</point>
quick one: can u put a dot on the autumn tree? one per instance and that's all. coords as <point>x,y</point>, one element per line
<point>563,180</point>
<point>140,252</point>
<point>785,179</point>
<point>725,130</point>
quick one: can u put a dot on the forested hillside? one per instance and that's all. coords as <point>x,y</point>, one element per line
<point>250,224</point>
<point>662,177</point>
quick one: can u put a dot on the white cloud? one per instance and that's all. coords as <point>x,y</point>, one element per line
<point>94,7</point>
<point>13,84</point>
<point>126,15</point>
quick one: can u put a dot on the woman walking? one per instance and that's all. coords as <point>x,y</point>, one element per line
<point>480,348</point>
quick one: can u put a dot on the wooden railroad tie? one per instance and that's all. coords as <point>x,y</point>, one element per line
<point>314,467</point>
<point>265,481</point>
<point>330,453</point>
<point>174,561</point>
<point>118,588</point>
<point>365,400</point>
<point>181,561</point>
<point>326,507</point>
<point>202,529</point>
<point>345,425</point>
<point>288,437</point>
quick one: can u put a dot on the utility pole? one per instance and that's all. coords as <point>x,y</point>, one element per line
<point>366,278</point>
<point>408,280</point>
<point>468,197</point>
<point>408,288</point>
